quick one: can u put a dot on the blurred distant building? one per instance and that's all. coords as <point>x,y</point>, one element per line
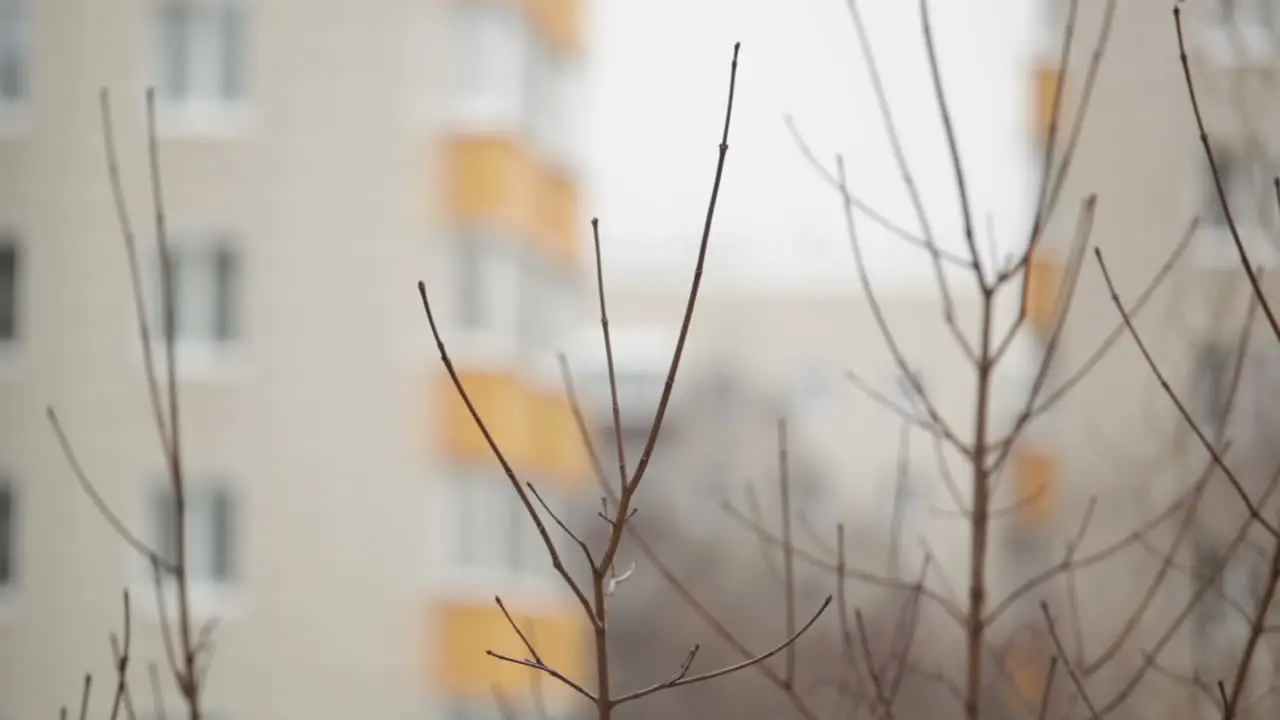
<point>755,357</point>
<point>349,527</point>
<point>1117,437</point>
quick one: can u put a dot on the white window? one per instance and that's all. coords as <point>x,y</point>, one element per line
<point>206,289</point>
<point>1247,181</point>
<point>14,53</point>
<point>487,521</point>
<point>535,561</point>
<point>1242,30</point>
<point>8,534</point>
<point>9,289</point>
<point>490,63</point>
<point>1212,383</point>
<point>556,108</point>
<point>535,287</point>
<point>1246,13</point>
<point>566,303</point>
<point>487,286</point>
<point>201,49</point>
<point>552,103</point>
<point>488,531</point>
<point>549,304</point>
<point>911,390</point>
<point>211,527</point>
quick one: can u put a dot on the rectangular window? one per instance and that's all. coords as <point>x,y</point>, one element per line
<point>1245,13</point>
<point>201,48</point>
<point>9,291</point>
<point>1214,365</point>
<point>536,289</point>
<point>8,534</point>
<point>211,527</point>
<point>487,285</point>
<point>1247,181</point>
<point>205,286</point>
<point>552,101</point>
<point>488,520</point>
<point>490,61</point>
<point>14,53</point>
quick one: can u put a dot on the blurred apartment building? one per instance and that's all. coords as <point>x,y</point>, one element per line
<point>349,528</point>
<point>1117,437</point>
<point>755,357</point>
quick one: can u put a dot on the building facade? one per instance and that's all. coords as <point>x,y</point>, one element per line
<point>1117,437</point>
<point>349,527</point>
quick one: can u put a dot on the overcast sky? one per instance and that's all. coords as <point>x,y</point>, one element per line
<point>657,88</point>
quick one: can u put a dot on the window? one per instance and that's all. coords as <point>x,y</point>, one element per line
<point>551,102</point>
<point>487,518</point>
<point>911,389</point>
<point>211,516</point>
<point>206,290</point>
<point>14,53</point>
<point>488,285</point>
<point>1246,180</point>
<point>549,304</point>
<point>8,535</point>
<point>490,531</point>
<point>8,289</point>
<point>535,561</point>
<point>535,287</point>
<point>1206,566</point>
<point>201,49</point>
<point>490,61</point>
<point>1214,366</point>
<point>1259,13</point>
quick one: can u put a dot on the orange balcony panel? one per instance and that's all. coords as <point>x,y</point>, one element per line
<point>1047,79</point>
<point>561,456</point>
<point>461,665</point>
<point>560,229</point>
<point>1037,483</point>
<point>492,180</point>
<point>503,405</point>
<point>1027,662</point>
<point>1042,287</point>
<point>560,23</point>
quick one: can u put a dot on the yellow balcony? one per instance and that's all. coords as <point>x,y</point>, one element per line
<point>560,230</point>
<point>1037,482</point>
<point>1027,663</point>
<point>559,22</point>
<point>1042,288</point>
<point>1047,79</point>
<point>461,666</point>
<point>560,456</point>
<point>506,408</point>
<point>492,180</point>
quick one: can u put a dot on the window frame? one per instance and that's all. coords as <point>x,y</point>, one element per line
<point>486,287</point>
<point>225,112</point>
<point>490,43</point>
<point>226,307</point>
<point>201,534</point>
<point>11,243</point>
<point>1212,367</point>
<point>19,12</point>
<point>11,528</point>
<point>485,538</point>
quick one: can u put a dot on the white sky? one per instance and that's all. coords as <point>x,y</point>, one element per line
<point>657,85</point>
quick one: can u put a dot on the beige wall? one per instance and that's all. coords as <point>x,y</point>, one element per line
<point>310,425</point>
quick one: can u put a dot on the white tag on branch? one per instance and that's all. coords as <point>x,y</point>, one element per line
<point>617,580</point>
